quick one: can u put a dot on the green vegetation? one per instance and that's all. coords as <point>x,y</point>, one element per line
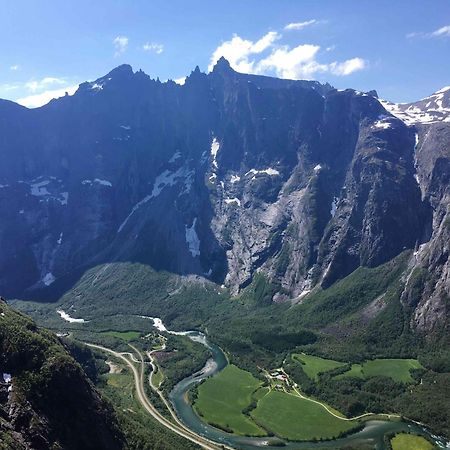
<point>125,335</point>
<point>222,399</point>
<point>294,418</point>
<point>397,369</point>
<point>313,365</point>
<point>157,378</point>
<point>181,358</point>
<point>141,431</point>
<point>404,441</point>
<point>357,319</point>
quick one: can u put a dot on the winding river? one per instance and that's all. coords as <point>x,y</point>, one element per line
<point>372,433</point>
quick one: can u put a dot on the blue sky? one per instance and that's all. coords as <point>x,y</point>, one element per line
<point>400,48</point>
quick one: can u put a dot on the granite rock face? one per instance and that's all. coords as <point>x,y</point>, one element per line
<point>222,177</point>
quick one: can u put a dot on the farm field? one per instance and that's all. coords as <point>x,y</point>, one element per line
<point>222,398</point>
<point>314,365</point>
<point>397,369</point>
<point>405,441</point>
<point>297,418</point>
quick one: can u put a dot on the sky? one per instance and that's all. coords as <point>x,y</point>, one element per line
<point>400,48</point>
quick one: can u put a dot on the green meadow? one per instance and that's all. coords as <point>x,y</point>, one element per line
<point>405,441</point>
<point>294,418</point>
<point>397,369</point>
<point>222,399</point>
<point>314,365</point>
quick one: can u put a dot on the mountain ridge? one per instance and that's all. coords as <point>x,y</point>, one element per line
<point>223,177</point>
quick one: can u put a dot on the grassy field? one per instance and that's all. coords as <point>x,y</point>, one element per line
<point>125,335</point>
<point>397,369</point>
<point>405,441</point>
<point>222,398</point>
<point>295,418</point>
<point>313,365</point>
<point>157,378</point>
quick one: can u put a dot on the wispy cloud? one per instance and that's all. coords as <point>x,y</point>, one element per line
<point>36,100</point>
<point>267,57</point>
<point>300,25</point>
<point>9,87</point>
<point>442,32</point>
<point>120,45</point>
<point>153,47</point>
<point>36,85</point>
<point>14,68</point>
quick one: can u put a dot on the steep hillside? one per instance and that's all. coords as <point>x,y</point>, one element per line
<point>46,400</point>
<point>223,177</point>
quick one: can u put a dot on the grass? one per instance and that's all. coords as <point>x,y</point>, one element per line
<point>313,365</point>
<point>297,419</point>
<point>397,369</point>
<point>222,399</point>
<point>157,378</point>
<point>125,335</point>
<point>405,441</point>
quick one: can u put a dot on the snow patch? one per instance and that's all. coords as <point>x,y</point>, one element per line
<point>175,156</point>
<point>334,204</point>
<point>103,182</point>
<point>125,127</point>
<point>68,318</point>
<point>192,240</point>
<point>48,279</point>
<point>317,168</point>
<point>268,171</point>
<point>39,189</point>
<point>235,178</point>
<point>382,124</point>
<point>215,147</point>
<point>59,241</point>
<point>64,199</point>
<point>163,180</point>
<point>7,377</point>
<point>96,87</point>
<point>232,200</point>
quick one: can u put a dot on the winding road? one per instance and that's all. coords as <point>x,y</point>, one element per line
<point>178,427</point>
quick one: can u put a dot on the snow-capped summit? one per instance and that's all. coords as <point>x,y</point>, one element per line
<point>431,109</point>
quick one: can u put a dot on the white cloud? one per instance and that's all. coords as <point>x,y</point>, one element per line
<point>238,51</point>
<point>300,25</point>
<point>14,67</point>
<point>34,101</point>
<point>153,47</point>
<point>440,32</point>
<point>36,85</point>
<point>180,81</point>
<point>443,31</point>
<point>347,67</point>
<point>265,57</point>
<point>295,63</point>
<point>120,45</point>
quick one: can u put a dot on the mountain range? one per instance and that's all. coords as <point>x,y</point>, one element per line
<point>224,177</point>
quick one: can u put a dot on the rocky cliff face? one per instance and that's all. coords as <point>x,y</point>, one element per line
<point>222,177</point>
<point>46,401</point>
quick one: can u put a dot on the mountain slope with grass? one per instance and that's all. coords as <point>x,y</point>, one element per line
<point>46,400</point>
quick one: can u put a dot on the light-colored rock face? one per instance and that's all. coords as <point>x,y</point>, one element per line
<point>222,177</point>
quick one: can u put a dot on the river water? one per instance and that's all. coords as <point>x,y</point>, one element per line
<point>372,433</point>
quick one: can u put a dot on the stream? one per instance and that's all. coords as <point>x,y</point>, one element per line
<point>372,433</point>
